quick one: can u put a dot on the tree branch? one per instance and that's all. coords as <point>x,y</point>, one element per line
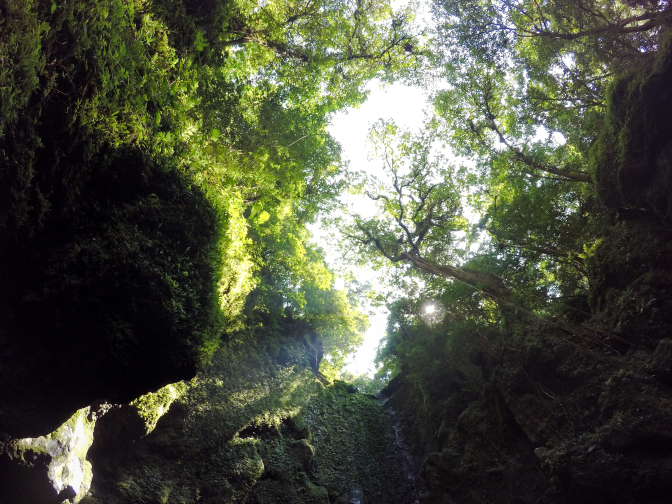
<point>370,238</point>
<point>621,27</point>
<point>558,255</point>
<point>485,282</point>
<point>573,176</point>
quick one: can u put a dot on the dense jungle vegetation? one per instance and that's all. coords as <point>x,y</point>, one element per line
<point>161,161</point>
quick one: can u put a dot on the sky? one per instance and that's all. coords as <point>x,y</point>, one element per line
<point>405,105</point>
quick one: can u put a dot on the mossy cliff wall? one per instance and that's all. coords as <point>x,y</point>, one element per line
<point>252,430</point>
<point>633,155</point>
<point>51,468</point>
<point>630,271</point>
<point>256,426</point>
<point>103,303</point>
<point>556,422</point>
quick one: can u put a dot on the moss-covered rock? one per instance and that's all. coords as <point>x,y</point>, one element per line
<point>111,254</point>
<point>631,271</point>
<point>207,447</point>
<point>51,468</point>
<point>557,421</point>
<point>125,288</point>
<point>355,447</point>
<point>251,429</point>
<point>630,267</point>
<point>632,159</point>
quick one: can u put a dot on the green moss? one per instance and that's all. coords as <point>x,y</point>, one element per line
<point>154,405</point>
<point>196,27</point>
<point>630,277</point>
<point>22,61</point>
<point>66,449</point>
<point>218,420</point>
<point>354,445</point>
<point>317,494</point>
<point>130,489</point>
<point>250,429</point>
<point>114,89</point>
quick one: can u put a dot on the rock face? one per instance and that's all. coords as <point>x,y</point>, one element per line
<point>630,270</point>
<point>210,443</point>
<point>251,430</point>
<point>55,468</point>
<point>633,156</point>
<point>100,303</point>
<point>51,468</point>
<point>630,281</point>
<point>557,423</point>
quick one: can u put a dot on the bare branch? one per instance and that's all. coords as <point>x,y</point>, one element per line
<point>376,197</point>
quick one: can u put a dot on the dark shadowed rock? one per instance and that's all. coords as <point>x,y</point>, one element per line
<point>109,300</point>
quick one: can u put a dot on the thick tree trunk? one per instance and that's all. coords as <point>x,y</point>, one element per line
<point>486,282</point>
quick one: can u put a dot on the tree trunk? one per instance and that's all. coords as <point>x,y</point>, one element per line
<point>486,282</point>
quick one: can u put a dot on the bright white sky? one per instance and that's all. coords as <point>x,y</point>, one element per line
<point>405,105</point>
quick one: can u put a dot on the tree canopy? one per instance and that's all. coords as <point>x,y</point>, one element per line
<point>494,198</point>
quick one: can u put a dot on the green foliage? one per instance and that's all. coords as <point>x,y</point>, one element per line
<point>152,406</point>
<point>195,26</point>
<point>22,60</point>
<point>442,338</point>
<point>295,286</point>
<point>508,147</point>
<point>526,101</point>
<point>364,383</point>
<point>161,159</point>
